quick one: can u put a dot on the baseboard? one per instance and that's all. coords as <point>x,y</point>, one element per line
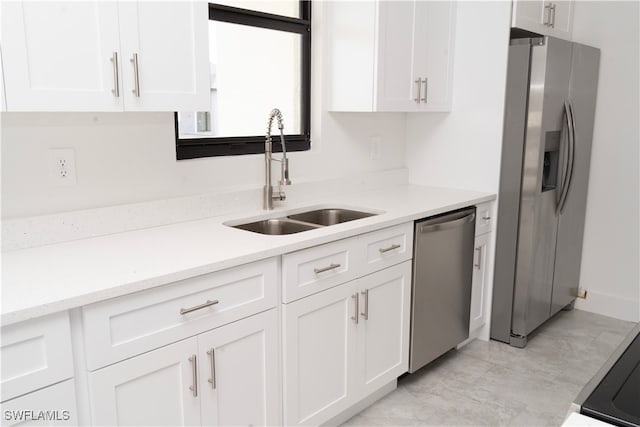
<point>610,305</point>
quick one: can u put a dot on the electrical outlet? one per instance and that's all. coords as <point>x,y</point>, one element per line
<point>374,143</point>
<point>62,167</point>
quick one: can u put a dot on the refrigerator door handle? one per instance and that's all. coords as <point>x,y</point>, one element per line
<point>568,164</point>
<point>572,153</point>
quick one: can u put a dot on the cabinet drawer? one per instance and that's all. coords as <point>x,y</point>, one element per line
<point>57,402</point>
<point>35,353</point>
<point>312,270</point>
<point>484,218</point>
<point>387,247</point>
<point>125,326</point>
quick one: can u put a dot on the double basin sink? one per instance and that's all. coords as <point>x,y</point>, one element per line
<point>303,221</point>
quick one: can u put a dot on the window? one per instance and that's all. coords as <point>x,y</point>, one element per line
<point>260,59</point>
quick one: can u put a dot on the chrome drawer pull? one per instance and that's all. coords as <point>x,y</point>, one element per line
<point>322,270</point>
<point>365,314</point>
<point>116,78</point>
<point>209,303</point>
<point>136,75</point>
<point>212,380</point>
<point>426,88</point>
<point>479,264</point>
<point>194,370</point>
<point>390,248</point>
<point>486,218</point>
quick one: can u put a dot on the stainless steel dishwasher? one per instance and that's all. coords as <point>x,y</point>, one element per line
<point>441,288</point>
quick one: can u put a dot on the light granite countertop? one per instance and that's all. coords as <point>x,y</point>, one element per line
<point>47,279</point>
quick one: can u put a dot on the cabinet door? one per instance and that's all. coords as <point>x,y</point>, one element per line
<point>383,332</point>
<point>530,15</point>
<point>34,354</point>
<point>562,19</point>
<point>156,388</point>
<point>239,372</point>
<point>57,56</point>
<point>433,45</point>
<point>396,90</point>
<point>165,50</point>
<point>318,358</point>
<point>50,406</point>
<point>553,18</point>
<point>479,284</point>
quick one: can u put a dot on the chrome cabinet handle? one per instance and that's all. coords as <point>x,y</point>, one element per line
<point>546,15</point>
<point>356,296</point>
<point>194,371</point>
<point>390,248</point>
<point>209,303</point>
<point>419,83</point>
<point>366,304</point>
<point>552,12</point>
<point>322,270</point>
<point>426,87</point>
<point>136,75</point>
<point>212,380</point>
<point>116,77</point>
<point>486,218</point>
<point>479,251</point>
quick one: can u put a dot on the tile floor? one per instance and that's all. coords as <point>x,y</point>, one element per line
<point>494,384</point>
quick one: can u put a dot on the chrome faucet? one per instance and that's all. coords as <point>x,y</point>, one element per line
<point>268,194</point>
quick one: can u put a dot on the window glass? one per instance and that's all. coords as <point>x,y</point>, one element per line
<point>259,59</point>
<point>253,70</point>
<point>289,8</point>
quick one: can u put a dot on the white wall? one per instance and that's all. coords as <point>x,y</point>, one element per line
<point>130,157</point>
<point>611,252</point>
<point>462,148</point>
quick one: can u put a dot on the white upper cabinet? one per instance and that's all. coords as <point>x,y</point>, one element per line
<point>165,55</point>
<point>551,18</point>
<point>57,55</point>
<point>390,56</point>
<point>77,56</point>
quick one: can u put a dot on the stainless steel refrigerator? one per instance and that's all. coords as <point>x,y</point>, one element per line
<point>548,126</point>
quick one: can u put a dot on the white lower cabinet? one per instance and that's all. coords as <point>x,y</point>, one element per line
<point>383,340</point>
<point>342,344</point>
<point>155,388</point>
<point>480,282</point>
<point>239,373</point>
<point>319,347</point>
<point>170,385</point>
<point>51,406</point>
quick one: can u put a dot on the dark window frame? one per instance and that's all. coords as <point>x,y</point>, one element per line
<point>231,146</point>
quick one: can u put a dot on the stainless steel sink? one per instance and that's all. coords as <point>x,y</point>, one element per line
<point>303,221</point>
<point>278,226</point>
<point>330,216</point>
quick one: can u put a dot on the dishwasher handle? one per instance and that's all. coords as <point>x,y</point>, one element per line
<point>447,224</point>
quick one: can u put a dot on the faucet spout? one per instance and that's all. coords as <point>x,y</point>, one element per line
<point>269,195</point>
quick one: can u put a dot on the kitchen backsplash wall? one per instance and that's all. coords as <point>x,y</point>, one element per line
<point>130,157</point>
<point>462,149</point>
<point>126,158</point>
